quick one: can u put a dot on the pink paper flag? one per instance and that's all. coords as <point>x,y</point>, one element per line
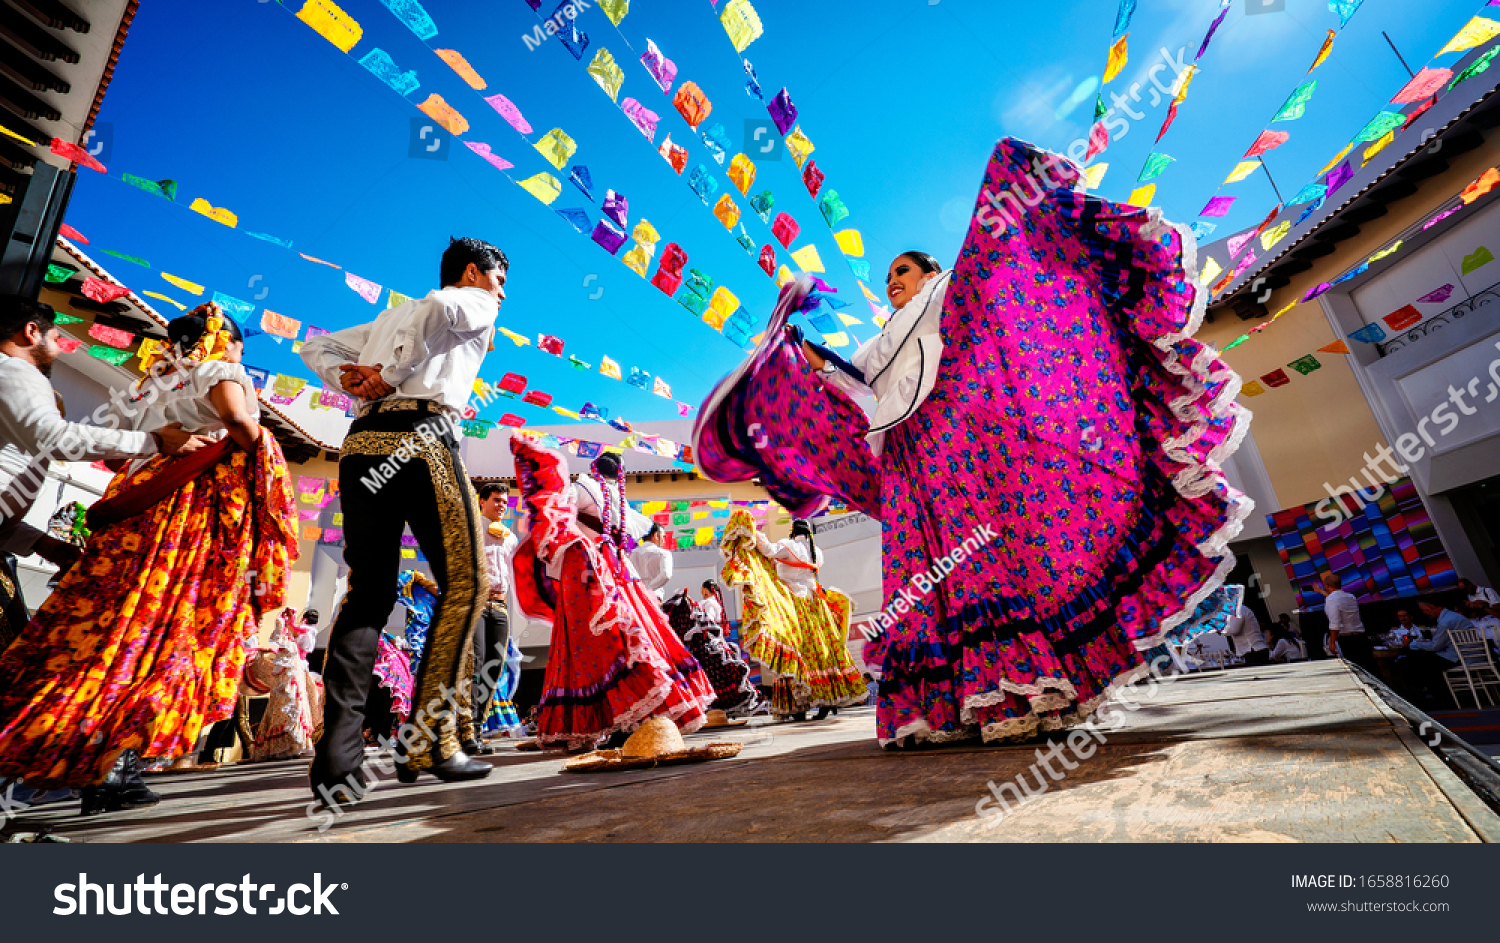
<point>1218,206</point>
<point>101,291</point>
<point>70,345</point>
<point>510,113</point>
<point>113,336</point>
<point>683,409</point>
<point>367,289</point>
<point>1268,140</point>
<point>1236,243</point>
<point>483,150</point>
<point>1424,84</point>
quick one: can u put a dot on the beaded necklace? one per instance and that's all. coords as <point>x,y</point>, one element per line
<point>612,512</point>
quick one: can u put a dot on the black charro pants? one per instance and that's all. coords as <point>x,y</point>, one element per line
<point>402,469</point>
<point>491,643</point>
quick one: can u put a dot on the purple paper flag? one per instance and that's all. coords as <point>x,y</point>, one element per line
<point>367,289</point>
<point>782,111</point>
<point>1218,206</point>
<point>1212,27</point>
<point>616,207</point>
<point>642,117</point>
<point>1236,243</point>
<point>1436,296</point>
<point>609,236</point>
<point>483,150</point>
<point>510,113</point>
<point>1339,177</point>
<point>662,69</point>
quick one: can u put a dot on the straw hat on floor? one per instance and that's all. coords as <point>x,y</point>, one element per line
<point>656,743</point>
<point>717,718</point>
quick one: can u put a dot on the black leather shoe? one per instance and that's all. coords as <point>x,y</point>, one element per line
<point>455,769</point>
<point>477,748</point>
<point>122,788</point>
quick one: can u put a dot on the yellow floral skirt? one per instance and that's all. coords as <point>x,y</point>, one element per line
<point>142,642</point>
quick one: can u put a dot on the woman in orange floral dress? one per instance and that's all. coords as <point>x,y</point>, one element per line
<point>141,645</point>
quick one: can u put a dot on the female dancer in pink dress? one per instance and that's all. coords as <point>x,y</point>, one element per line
<point>614,661</point>
<point>1044,456</point>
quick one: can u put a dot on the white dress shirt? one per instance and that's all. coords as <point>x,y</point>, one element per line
<point>654,564</point>
<point>802,581</point>
<point>499,545</point>
<point>1485,595</point>
<point>1244,629</point>
<point>1343,612</point>
<point>430,348</point>
<point>1490,626</point>
<point>900,364</point>
<point>1287,650</point>
<point>32,433</point>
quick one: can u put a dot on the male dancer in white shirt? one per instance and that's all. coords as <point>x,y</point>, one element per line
<point>413,369</point>
<point>492,631</point>
<point>33,433</point>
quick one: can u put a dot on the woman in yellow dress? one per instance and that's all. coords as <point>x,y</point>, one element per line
<point>793,624</point>
<point>142,643</point>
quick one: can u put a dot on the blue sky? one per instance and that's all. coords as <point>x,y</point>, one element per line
<point>248,108</point>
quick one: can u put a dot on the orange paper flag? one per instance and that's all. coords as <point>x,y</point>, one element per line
<point>1337,347</point>
<point>459,64</point>
<point>444,114</point>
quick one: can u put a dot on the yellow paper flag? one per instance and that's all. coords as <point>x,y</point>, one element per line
<point>1242,170</point>
<point>742,172</point>
<point>850,242</point>
<point>518,339</point>
<point>1094,175</point>
<point>191,288</point>
<point>1476,31</point>
<point>849,319</point>
<point>1336,158</point>
<point>638,259</point>
<point>566,412</point>
<point>557,147</point>
<point>1141,196</point>
<point>723,303</point>
<point>645,233</point>
<point>170,301</point>
<point>396,300</point>
<point>216,213</point>
<point>1211,270</point>
<point>807,259</point>
<point>609,76</point>
<point>742,23</point>
<point>703,536</point>
<point>837,339</point>
<point>727,212</point>
<point>1275,234</point>
<point>868,294</point>
<point>783,275</point>
<point>1253,388</point>
<point>608,367</point>
<point>331,23</point>
<point>798,145</point>
<point>615,9</point>
<point>1118,54</point>
<point>543,186</point>
<point>1378,146</point>
<point>1323,52</point>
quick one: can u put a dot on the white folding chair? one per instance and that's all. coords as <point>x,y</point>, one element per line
<point>1476,670</point>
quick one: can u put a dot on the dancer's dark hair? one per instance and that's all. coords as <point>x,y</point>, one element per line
<point>608,465</point>
<point>461,252</point>
<point>492,487</point>
<point>924,261</point>
<point>651,534</point>
<point>187,330</point>
<point>802,527</point>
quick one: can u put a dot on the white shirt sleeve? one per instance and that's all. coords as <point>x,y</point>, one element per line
<point>325,353</point>
<point>29,419</point>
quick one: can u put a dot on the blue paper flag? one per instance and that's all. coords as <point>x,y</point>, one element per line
<point>577,217</point>
<point>416,19</point>
<point>1122,17</point>
<point>582,180</point>
<point>1369,334</point>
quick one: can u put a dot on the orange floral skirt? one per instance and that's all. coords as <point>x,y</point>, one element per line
<point>142,642</point>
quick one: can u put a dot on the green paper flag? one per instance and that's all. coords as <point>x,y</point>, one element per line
<point>1305,365</point>
<point>1379,125</point>
<point>1155,164</point>
<point>579,364</point>
<point>110,354</point>
<point>1296,103</point>
<point>1236,342</point>
<point>57,274</point>
<point>62,318</point>
<point>127,258</point>
<point>165,188</point>
<point>1099,110</point>
<point>1475,67</point>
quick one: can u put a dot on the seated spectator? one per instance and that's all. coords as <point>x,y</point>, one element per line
<point>1479,614</point>
<point>1480,594</point>
<point>1421,668</point>
<point>1406,628</point>
<point>1285,646</point>
<point>1284,621</point>
<point>1249,642</point>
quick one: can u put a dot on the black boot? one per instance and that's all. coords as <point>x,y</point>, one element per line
<point>476,747</point>
<point>456,768</point>
<point>122,788</point>
<point>822,712</point>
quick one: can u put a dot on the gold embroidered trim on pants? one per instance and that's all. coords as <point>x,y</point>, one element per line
<point>449,659</point>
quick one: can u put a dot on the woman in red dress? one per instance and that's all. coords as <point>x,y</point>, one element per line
<point>614,661</point>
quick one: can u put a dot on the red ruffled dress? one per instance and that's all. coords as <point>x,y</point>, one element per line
<point>614,661</point>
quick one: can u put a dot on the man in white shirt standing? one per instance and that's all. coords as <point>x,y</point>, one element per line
<point>412,370</point>
<point>492,631</point>
<point>33,433</point>
<point>1244,630</point>
<point>653,561</point>
<point>1345,630</point>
